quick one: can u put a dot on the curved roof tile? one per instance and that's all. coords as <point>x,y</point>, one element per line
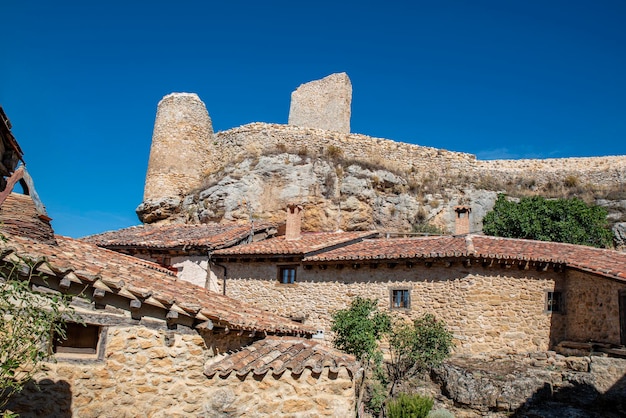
<point>277,354</point>
<point>132,277</point>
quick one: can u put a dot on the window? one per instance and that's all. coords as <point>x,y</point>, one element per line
<point>80,339</point>
<point>400,299</point>
<point>554,302</point>
<point>287,275</point>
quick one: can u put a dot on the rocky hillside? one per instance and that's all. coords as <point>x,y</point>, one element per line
<point>348,194</point>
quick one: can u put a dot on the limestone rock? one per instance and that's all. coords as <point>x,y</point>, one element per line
<point>619,230</point>
<point>323,104</point>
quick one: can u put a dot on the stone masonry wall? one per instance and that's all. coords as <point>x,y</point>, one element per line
<point>255,138</point>
<point>180,148</point>
<point>159,373</point>
<point>303,396</point>
<point>592,308</point>
<point>487,309</point>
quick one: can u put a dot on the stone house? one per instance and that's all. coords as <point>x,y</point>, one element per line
<point>154,345</point>
<point>182,248</point>
<point>495,294</point>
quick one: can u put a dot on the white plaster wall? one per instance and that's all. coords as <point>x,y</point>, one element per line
<point>192,269</point>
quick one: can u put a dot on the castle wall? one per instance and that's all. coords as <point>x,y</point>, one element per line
<point>488,309</point>
<point>180,147</point>
<point>255,138</point>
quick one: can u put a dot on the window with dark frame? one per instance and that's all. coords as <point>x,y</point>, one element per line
<point>79,339</point>
<point>287,275</point>
<point>554,302</point>
<point>400,299</point>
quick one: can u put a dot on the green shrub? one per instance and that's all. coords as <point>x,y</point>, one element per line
<point>409,406</point>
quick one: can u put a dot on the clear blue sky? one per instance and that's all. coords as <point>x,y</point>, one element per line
<point>80,80</point>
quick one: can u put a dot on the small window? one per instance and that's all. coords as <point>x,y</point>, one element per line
<point>400,299</point>
<point>79,339</point>
<point>554,302</point>
<point>287,275</point>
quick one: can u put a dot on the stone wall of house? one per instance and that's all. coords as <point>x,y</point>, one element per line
<point>592,308</point>
<point>307,395</point>
<point>146,372</point>
<point>489,309</point>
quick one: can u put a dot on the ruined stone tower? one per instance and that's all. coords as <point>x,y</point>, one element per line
<point>180,146</point>
<point>323,104</point>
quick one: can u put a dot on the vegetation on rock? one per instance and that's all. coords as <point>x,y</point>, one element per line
<point>409,406</point>
<point>413,347</point>
<point>559,220</point>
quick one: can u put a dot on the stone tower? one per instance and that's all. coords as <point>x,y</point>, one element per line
<point>180,149</point>
<point>323,104</point>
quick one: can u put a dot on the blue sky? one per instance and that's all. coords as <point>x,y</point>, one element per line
<point>80,80</point>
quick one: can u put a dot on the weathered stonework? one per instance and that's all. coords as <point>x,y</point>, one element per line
<point>489,309</point>
<point>323,104</point>
<point>180,146</point>
<point>159,373</point>
<point>307,395</point>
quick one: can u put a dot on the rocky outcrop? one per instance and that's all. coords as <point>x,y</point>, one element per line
<point>334,195</point>
<point>337,193</point>
<point>537,385</point>
<point>323,104</point>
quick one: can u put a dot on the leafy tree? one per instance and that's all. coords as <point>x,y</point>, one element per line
<point>358,330</point>
<point>559,220</point>
<point>29,318</point>
<point>414,346</point>
<point>417,346</point>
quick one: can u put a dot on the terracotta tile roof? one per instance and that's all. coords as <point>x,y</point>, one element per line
<point>275,355</point>
<point>177,236</point>
<point>19,216</point>
<point>132,278</point>
<point>607,263</point>
<point>396,248</point>
<point>309,242</point>
<point>596,260</point>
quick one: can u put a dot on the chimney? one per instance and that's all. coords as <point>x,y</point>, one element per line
<point>294,221</point>
<point>462,221</point>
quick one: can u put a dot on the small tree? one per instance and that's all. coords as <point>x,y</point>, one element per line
<point>29,319</point>
<point>416,347</point>
<point>358,330</point>
<point>558,220</point>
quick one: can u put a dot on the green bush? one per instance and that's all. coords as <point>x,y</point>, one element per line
<point>559,220</point>
<point>409,406</point>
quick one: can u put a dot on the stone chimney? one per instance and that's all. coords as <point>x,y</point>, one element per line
<point>294,222</point>
<point>462,220</point>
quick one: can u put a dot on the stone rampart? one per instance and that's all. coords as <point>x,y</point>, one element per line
<point>419,161</point>
<point>256,138</point>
